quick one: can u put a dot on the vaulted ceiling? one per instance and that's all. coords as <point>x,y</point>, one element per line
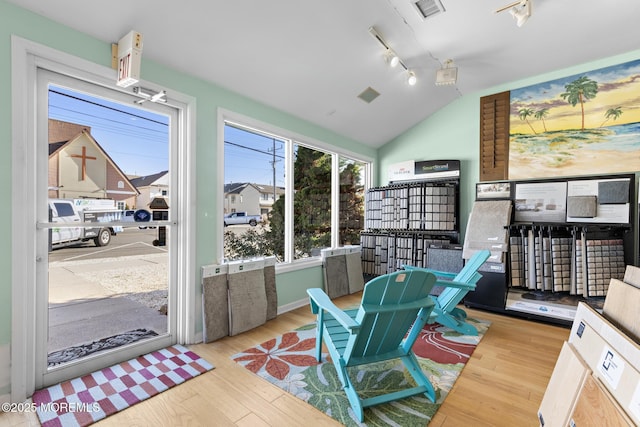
<point>313,59</point>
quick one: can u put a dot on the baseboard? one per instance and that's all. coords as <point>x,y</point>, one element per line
<point>293,305</point>
<point>197,339</point>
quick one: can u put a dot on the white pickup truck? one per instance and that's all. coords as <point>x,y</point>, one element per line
<point>234,218</point>
<point>67,211</point>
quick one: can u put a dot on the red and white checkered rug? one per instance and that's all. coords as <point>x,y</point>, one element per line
<point>85,400</point>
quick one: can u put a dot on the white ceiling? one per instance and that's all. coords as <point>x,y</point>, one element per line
<point>312,59</point>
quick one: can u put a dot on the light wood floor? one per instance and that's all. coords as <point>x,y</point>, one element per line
<point>502,384</point>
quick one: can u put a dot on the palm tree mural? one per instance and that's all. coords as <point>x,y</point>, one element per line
<point>540,115</point>
<point>524,114</point>
<point>612,113</point>
<point>580,90</point>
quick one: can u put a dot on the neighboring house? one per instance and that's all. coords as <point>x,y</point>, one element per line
<point>251,198</point>
<point>80,168</point>
<point>268,196</point>
<point>150,187</point>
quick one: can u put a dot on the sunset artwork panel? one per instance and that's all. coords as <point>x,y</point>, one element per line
<point>584,124</point>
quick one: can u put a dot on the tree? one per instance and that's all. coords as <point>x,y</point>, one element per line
<point>612,113</point>
<point>524,115</point>
<point>312,201</point>
<point>249,244</point>
<point>351,202</point>
<point>580,90</point>
<point>540,115</point>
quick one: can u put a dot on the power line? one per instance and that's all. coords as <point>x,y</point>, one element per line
<point>107,107</point>
<point>254,149</point>
<point>123,127</point>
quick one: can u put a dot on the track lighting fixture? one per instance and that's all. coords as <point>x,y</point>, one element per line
<point>520,10</point>
<point>392,58</point>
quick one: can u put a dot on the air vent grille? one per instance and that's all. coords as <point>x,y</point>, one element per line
<point>428,8</point>
<point>369,94</point>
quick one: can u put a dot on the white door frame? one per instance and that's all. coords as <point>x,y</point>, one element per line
<point>26,58</point>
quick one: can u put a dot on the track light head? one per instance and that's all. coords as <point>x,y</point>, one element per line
<point>520,10</point>
<point>392,58</point>
<point>411,78</point>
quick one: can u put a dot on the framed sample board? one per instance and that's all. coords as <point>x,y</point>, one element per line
<point>599,201</point>
<point>589,200</point>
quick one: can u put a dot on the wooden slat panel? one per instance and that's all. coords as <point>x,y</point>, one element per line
<point>596,407</point>
<point>566,381</point>
<point>494,137</point>
<point>621,306</point>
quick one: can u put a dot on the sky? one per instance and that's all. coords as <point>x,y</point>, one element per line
<point>249,157</point>
<point>137,140</point>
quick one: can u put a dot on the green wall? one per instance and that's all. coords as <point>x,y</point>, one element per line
<point>453,133</point>
<point>209,97</point>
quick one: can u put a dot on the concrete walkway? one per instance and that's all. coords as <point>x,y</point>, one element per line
<point>82,311</point>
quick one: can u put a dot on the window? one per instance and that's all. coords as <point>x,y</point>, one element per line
<point>320,205</point>
<point>64,209</point>
<point>312,201</point>
<point>352,191</point>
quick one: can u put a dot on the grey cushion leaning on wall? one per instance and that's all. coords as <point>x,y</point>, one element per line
<point>215,302</point>
<point>354,268</point>
<point>270,287</point>
<point>334,266</point>
<point>247,296</point>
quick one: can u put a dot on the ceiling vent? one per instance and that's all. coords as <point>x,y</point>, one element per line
<point>368,95</point>
<point>428,8</point>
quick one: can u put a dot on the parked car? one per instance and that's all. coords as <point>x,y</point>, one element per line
<point>235,218</point>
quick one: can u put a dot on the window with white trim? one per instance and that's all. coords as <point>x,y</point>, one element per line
<point>322,206</point>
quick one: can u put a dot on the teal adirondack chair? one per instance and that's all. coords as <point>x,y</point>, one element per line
<point>393,310</point>
<point>445,311</point>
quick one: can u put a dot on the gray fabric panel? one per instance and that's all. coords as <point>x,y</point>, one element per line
<point>247,301</point>
<point>335,276</point>
<point>581,206</point>
<point>441,259</point>
<point>270,289</point>
<point>486,224</point>
<point>215,308</point>
<point>354,272</point>
<point>449,260</point>
<point>613,192</point>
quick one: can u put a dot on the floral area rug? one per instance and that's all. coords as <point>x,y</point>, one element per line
<point>288,361</point>
<point>85,400</point>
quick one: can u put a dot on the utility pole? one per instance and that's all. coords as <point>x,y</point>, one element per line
<point>273,166</point>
